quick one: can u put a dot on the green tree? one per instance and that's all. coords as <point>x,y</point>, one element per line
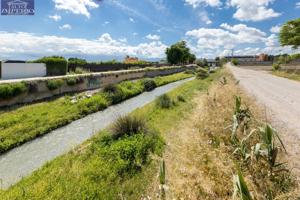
<point>179,53</point>
<point>290,34</point>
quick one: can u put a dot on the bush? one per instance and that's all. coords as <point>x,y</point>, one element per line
<point>201,73</point>
<point>93,104</point>
<point>54,84</point>
<point>164,101</point>
<point>149,84</point>
<point>110,88</point>
<point>189,71</point>
<point>235,62</point>
<point>276,67</point>
<point>56,66</point>
<point>180,98</point>
<point>8,91</point>
<point>128,125</point>
<point>71,81</point>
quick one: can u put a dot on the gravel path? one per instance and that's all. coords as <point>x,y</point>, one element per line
<point>281,98</point>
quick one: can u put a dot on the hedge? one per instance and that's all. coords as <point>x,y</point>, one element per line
<point>56,66</point>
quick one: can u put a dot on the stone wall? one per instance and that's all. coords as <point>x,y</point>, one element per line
<point>38,89</point>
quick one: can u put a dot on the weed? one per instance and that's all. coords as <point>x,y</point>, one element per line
<point>164,101</point>
<point>128,125</point>
<point>149,85</point>
<point>54,84</point>
<point>240,187</point>
<point>180,98</point>
<point>162,173</point>
<point>11,90</point>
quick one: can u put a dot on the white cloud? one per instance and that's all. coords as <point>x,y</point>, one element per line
<point>158,4</point>
<point>275,29</point>
<point>124,40</point>
<point>105,23</point>
<point>105,45</point>
<point>205,18</point>
<point>55,17</point>
<point>253,10</point>
<point>76,6</point>
<point>196,3</point>
<point>131,20</point>
<point>65,27</point>
<point>153,37</point>
<point>135,34</point>
<point>245,40</point>
<point>298,5</point>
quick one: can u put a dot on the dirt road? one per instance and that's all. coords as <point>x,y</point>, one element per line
<point>281,98</point>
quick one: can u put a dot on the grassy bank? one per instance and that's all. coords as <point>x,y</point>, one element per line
<point>224,139</point>
<point>110,169</point>
<point>28,122</point>
<point>289,75</point>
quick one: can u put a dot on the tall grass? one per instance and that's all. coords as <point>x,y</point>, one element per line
<point>129,125</point>
<point>164,101</point>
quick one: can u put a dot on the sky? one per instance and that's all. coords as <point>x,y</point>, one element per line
<point>112,29</point>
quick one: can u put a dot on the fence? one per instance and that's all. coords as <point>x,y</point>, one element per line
<point>102,67</point>
<point>22,70</point>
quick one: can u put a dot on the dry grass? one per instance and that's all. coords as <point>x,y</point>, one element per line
<point>199,158</point>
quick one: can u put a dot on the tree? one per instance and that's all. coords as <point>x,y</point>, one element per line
<point>290,34</point>
<point>179,53</point>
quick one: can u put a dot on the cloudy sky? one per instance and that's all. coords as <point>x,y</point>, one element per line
<point>111,29</point>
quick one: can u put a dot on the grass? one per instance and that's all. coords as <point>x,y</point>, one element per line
<point>104,168</point>
<point>23,124</point>
<point>289,75</point>
<point>228,134</point>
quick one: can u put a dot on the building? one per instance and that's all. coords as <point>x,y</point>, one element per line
<point>129,59</point>
<point>243,58</point>
<point>212,63</point>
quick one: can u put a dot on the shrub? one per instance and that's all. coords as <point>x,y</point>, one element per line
<point>180,98</point>
<point>114,93</point>
<point>71,81</point>
<point>201,73</point>
<point>110,88</point>
<point>80,70</point>
<point>128,125</point>
<point>235,62</point>
<point>56,66</point>
<point>164,101</point>
<point>189,71</point>
<point>276,67</point>
<point>93,104</point>
<point>54,84</point>
<point>149,84</point>
<point>11,90</point>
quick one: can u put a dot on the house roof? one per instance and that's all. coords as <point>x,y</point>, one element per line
<point>13,61</point>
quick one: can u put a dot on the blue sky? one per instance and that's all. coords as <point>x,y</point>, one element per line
<point>111,29</point>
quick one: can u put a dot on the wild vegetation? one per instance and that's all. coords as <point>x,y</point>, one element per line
<point>30,121</point>
<point>119,163</point>
<point>293,75</point>
<point>236,139</point>
<point>10,90</point>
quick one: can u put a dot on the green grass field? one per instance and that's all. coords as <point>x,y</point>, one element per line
<point>106,169</point>
<point>30,121</point>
